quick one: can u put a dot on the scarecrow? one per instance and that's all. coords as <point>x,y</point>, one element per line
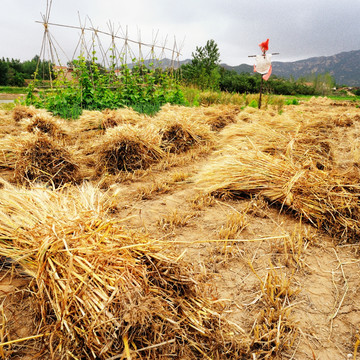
<point>263,65</point>
<point>263,62</point>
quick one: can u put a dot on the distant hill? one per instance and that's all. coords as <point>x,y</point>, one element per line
<point>344,67</point>
<point>243,68</point>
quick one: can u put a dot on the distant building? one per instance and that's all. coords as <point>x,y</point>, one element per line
<point>64,72</point>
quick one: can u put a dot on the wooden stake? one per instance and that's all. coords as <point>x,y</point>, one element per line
<point>261,86</point>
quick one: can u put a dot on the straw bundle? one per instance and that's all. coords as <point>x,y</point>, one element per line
<point>259,135</point>
<point>47,125</point>
<point>305,143</point>
<point>327,199</point>
<point>343,120</point>
<point>23,112</point>
<point>117,117</point>
<point>41,159</point>
<point>181,129</point>
<point>7,124</point>
<point>218,116</point>
<point>319,101</point>
<point>89,120</point>
<point>104,292</point>
<point>8,151</point>
<point>128,148</point>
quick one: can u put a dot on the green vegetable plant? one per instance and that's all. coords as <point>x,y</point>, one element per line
<point>92,87</point>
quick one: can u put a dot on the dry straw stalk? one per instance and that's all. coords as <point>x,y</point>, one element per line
<point>128,148</point>
<point>329,200</point>
<point>103,291</point>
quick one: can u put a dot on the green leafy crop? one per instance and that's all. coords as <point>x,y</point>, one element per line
<point>92,87</point>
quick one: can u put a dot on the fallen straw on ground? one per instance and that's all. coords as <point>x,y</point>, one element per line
<point>103,291</point>
<point>328,199</point>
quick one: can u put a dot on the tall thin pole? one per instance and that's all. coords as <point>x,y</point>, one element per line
<point>261,87</point>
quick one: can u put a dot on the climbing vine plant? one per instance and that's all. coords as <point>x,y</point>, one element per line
<point>93,87</point>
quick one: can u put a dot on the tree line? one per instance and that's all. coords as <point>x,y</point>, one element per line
<point>13,72</point>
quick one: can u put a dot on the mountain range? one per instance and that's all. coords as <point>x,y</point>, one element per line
<point>344,67</point>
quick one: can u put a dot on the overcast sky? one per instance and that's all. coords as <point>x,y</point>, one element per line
<point>297,29</point>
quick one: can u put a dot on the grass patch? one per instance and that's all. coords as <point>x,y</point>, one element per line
<point>13,90</point>
<point>7,106</point>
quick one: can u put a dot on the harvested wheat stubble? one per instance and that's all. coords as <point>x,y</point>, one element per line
<point>104,292</point>
<point>42,159</point>
<point>128,148</point>
<point>328,199</point>
<point>181,129</point>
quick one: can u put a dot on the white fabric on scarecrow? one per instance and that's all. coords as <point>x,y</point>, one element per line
<point>263,63</point>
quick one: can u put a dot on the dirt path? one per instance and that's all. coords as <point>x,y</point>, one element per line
<point>325,310</point>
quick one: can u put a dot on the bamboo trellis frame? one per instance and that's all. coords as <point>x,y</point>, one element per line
<point>119,49</point>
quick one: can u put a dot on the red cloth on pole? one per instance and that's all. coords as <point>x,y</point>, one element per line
<point>264,46</point>
<point>266,76</point>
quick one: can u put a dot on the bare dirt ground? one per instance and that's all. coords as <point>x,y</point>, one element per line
<point>10,96</point>
<point>243,245</point>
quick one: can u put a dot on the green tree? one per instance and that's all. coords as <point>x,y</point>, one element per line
<point>15,78</point>
<point>323,83</point>
<point>240,83</point>
<point>4,72</point>
<point>204,70</point>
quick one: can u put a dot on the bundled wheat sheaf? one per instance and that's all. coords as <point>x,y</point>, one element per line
<point>46,124</point>
<point>23,112</point>
<point>8,152</point>
<point>182,129</point>
<point>219,116</point>
<point>303,142</point>
<point>89,120</point>
<point>113,118</point>
<point>105,292</point>
<point>328,199</point>
<point>128,148</point>
<point>42,159</point>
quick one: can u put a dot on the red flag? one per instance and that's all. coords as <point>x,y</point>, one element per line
<point>264,46</point>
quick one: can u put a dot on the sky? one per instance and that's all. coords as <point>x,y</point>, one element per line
<point>297,29</point>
